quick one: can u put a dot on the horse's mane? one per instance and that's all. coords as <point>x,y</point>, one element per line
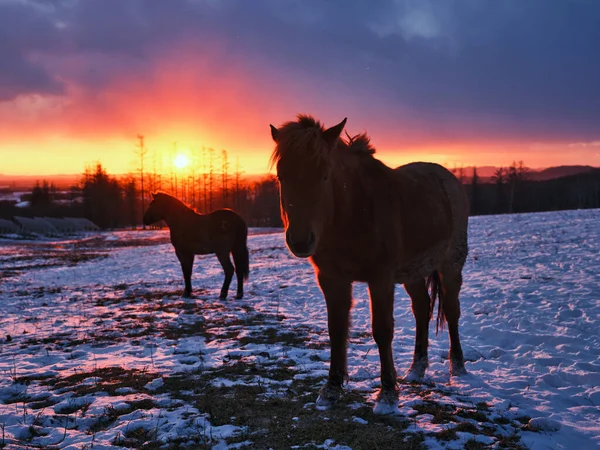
<point>173,201</point>
<point>304,135</point>
<point>360,144</point>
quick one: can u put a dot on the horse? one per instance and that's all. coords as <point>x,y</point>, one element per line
<point>359,220</point>
<point>220,232</point>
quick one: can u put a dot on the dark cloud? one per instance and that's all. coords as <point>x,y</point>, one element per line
<point>452,68</point>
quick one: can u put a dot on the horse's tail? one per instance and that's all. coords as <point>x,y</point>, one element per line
<point>436,290</point>
<point>240,252</point>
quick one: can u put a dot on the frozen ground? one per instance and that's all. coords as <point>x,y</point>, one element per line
<point>98,350</point>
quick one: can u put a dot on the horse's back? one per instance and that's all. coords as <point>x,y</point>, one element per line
<point>215,232</point>
<point>439,204</point>
<point>228,219</point>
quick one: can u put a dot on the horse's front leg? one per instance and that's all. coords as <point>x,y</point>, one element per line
<point>186,259</point>
<point>338,296</point>
<point>382,317</point>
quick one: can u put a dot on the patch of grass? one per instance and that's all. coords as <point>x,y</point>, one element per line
<point>283,421</point>
<point>137,438</point>
<point>440,413</point>
<point>473,444</point>
<point>41,404</point>
<point>282,416</point>
<point>110,416</point>
<point>145,404</point>
<point>109,380</point>
<point>197,328</point>
<point>476,415</point>
<point>510,443</point>
<point>523,419</point>
<point>449,434</point>
<point>467,428</point>
<point>502,421</point>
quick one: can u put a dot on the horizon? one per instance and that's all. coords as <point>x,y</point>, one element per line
<point>135,172</point>
<point>458,84</point>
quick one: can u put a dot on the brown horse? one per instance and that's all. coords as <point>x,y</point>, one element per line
<point>359,220</point>
<point>221,232</point>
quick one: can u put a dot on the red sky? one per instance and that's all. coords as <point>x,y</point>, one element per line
<point>77,92</point>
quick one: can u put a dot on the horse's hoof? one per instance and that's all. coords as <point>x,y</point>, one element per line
<point>222,297</point>
<point>458,369</point>
<point>239,296</point>
<point>328,396</point>
<point>416,372</point>
<point>187,295</point>
<point>386,403</point>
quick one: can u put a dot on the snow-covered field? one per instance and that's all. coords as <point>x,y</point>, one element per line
<point>98,350</point>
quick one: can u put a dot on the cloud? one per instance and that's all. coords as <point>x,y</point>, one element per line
<point>411,70</point>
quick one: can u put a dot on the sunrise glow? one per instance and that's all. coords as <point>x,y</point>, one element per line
<point>61,113</point>
<point>181,161</point>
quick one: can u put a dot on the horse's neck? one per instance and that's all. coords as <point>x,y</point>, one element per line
<point>348,191</point>
<point>177,213</point>
<point>356,196</point>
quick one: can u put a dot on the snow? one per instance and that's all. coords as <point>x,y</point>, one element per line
<point>530,328</point>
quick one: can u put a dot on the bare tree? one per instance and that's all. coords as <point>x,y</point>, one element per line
<point>238,176</point>
<point>142,151</point>
<point>475,192</point>
<point>224,178</point>
<point>211,153</point>
<point>205,180</point>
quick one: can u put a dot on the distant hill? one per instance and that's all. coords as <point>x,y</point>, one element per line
<point>486,173</point>
<point>558,172</point>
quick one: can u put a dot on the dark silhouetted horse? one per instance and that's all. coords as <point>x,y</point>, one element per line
<point>359,220</point>
<point>221,232</point>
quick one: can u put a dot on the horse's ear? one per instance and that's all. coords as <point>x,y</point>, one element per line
<point>274,133</point>
<point>331,134</point>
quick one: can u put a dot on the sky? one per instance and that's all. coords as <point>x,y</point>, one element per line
<point>458,82</point>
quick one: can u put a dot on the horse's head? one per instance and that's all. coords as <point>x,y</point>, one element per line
<point>302,157</point>
<point>156,210</point>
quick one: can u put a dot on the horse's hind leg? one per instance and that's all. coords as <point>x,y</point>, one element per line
<point>421,310</point>
<point>187,263</point>
<point>229,271</point>
<point>451,284</point>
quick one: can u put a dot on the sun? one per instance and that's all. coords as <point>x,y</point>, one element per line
<point>181,161</point>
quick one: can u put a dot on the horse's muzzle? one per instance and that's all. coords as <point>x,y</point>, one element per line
<point>303,247</point>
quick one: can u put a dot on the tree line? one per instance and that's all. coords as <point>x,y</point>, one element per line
<point>118,202</point>
<point>513,191</point>
<point>113,202</point>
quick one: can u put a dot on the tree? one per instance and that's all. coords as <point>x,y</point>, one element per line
<point>130,195</point>
<point>210,179</point>
<point>517,174</point>
<point>499,179</point>
<point>238,181</point>
<point>141,151</point>
<point>224,178</point>
<point>474,192</point>
<point>41,195</point>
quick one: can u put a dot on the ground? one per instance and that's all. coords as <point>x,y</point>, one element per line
<point>99,350</point>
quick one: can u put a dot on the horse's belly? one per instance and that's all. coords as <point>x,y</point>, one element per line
<point>414,273</point>
<point>201,249</point>
<point>418,268</point>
